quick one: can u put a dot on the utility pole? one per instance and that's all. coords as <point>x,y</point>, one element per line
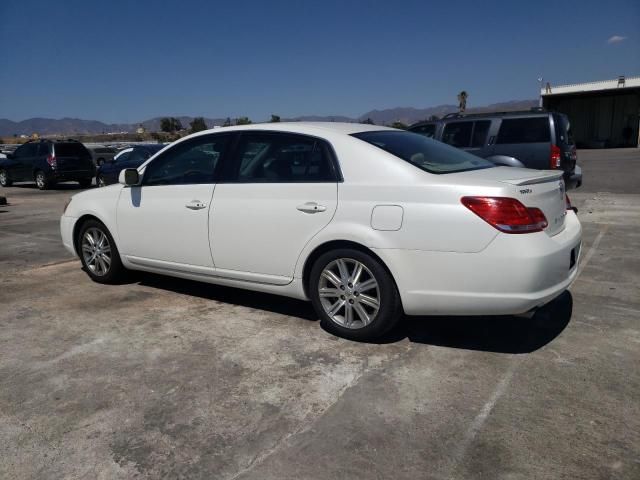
<point>540,80</point>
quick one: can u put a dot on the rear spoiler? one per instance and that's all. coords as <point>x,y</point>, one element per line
<point>543,177</point>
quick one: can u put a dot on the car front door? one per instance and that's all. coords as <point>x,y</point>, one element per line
<point>163,223</point>
<point>24,156</point>
<point>277,192</point>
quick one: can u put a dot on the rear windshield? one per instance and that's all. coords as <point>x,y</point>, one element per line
<point>427,154</point>
<point>524,130</point>
<point>71,150</point>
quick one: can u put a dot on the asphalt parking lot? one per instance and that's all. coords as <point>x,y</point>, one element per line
<point>165,378</point>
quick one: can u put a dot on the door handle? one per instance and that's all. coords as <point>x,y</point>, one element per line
<point>196,205</point>
<point>311,207</point>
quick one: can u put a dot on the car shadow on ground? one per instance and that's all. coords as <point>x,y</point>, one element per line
<point>500,334</point>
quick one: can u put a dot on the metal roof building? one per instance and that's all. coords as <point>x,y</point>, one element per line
<point>602,114</point>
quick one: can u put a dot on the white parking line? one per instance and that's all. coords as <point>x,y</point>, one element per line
<point>591,251</point>
<point>485,411</point>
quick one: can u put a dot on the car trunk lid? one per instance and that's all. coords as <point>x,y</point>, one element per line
<point>544,190</point>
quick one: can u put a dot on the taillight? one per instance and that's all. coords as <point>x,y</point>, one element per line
<point>507,214</point>
<point>554,159</point>
<point>51,160</point>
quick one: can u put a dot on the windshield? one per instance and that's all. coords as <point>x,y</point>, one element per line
<point>425,153</point>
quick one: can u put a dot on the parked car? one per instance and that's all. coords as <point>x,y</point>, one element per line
<point>102,154</point>
<point>47,162</point>
<point>131,157</point>
<point>365,221</point>
<point>532,139</point>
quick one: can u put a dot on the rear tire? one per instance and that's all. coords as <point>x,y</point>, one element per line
<point>354,295</point>
<point>85,182</point>
<point>99,254</point>
<point>5,181</point>
<point>41,180</point>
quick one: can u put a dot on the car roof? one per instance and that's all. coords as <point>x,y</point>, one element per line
<point>311,128</point>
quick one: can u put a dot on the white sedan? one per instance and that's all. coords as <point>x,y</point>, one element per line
<point>367,222</point>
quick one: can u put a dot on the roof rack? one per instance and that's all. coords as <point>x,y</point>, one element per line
<point>485,114</point>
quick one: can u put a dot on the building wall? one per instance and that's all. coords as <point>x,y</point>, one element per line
<point>601,119</point>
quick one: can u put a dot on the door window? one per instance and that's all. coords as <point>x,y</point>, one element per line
<point>524,130</point>
<point>27,150</point>
<point>281,158</point>
<point>190,162</point>
<point>480,131</point>
<point>458,134</point>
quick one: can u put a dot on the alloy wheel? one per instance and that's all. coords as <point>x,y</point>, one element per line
<point>349,293</point>
<point>3,178</point>
<point>96,251</point>
<point>40,181</point>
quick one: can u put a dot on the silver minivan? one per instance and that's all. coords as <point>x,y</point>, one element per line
<point>531,139</point>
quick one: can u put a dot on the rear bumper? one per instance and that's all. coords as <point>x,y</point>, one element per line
<point>513,275</point>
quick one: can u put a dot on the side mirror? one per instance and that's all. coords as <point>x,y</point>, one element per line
<point>129,177</point>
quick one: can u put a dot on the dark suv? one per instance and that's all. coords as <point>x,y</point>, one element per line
<point>532,139</point>
<point>47,162</point>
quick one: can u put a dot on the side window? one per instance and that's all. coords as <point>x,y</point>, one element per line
<point>524,130</point>
<point>282,158</point>
<point>458,134</point>
<point>428,131</point>
<point>480,130</point>
<point>27,150</point>
<point>190,162</point>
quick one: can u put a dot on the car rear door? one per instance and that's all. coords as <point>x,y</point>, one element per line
<point>468,135</point>
<point>163,223</point>
<point>21,166</point>
<point>277,192</point>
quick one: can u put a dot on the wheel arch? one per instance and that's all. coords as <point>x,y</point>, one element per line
<point>78,226</point>
<point>334,245</point>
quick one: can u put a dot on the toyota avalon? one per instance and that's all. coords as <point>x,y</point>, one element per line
<point>364,221</point>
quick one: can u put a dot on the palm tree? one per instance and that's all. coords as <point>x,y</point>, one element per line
<point>462,101</point>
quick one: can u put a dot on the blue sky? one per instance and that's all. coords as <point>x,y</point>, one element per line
<point>127,61</point>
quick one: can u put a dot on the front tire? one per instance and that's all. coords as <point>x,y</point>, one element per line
<point>354,295</point>
<point>5,181</point>
<point>41,180</point>
<point>99,254</point>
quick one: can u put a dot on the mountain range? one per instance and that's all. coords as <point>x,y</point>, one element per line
<point>406,115</point>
